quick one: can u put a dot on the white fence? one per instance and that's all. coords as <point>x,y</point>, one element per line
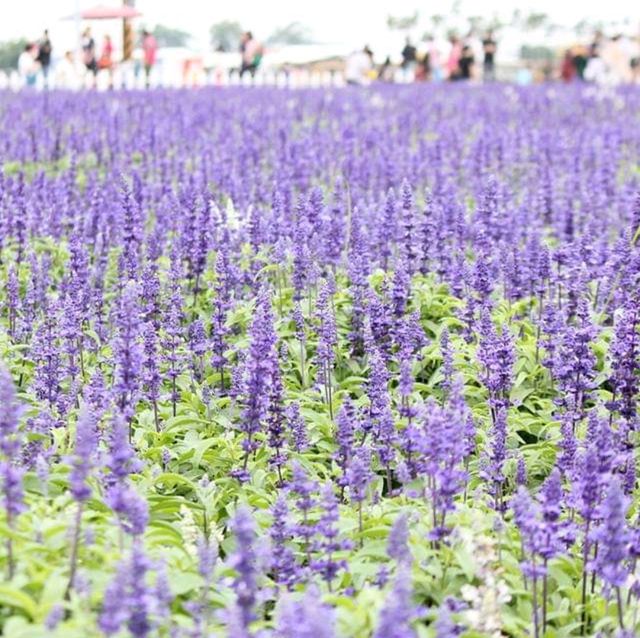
<point>130,77</point>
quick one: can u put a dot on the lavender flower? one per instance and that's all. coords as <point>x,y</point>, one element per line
<point>328,540</point>
<point>398,541</point>
<point>297,427</point>
<point>243,561</point>
<point>613,538</point>
<point>128,353</point>
<point>258,371</point>
<point>305,618</point>
<point>398,612</point>
<point>283,564</point>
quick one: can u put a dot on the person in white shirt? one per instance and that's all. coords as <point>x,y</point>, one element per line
<point>357,67</point>
<point>616,59</point>
<point>68,75</point>
<point>28,66</point>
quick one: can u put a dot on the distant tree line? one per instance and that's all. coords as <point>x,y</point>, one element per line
<point>10,52</point>
<point>225,35</point>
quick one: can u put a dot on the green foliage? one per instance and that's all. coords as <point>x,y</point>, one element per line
<point>10,52</point>
<point>225,35</point>
<point>170,37</point>
<point>480,562</point>
<point>292,33</point>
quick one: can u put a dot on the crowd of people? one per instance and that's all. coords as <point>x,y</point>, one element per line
<point>35,59</point>
<point>74,71</point>
<point>605,60</point>
<point>614,60</point>
<point>459,60</point>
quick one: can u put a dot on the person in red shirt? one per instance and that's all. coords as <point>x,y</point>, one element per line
<point>568,68</point>
<point>106,58</point>
<point>150,50</point>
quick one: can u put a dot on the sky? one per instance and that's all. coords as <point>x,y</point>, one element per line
<point>352,22</point>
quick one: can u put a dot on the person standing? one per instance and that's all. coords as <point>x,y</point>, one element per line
<point>617,61</point>
<point>466,62</point>
<point>28,66</point>
<point>357,67</point>
<point>568,69</point>
<point>435,63</point>
<point>89,54</point>
<point>385,72</point>
<point>580,60</point>
<point>453,61</point>
<point>106,58</point>
<point>67,74</point>
<point>409,56</point>
<point>251,52</point>
<point>44,56</point>
<point>489,47</point>
<point>150,53</point>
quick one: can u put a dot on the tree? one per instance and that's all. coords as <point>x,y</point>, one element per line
<point>169,37</point>
<point>477,24</point>
<point>402,23</point>
<point>535,20</point>
<point>536,53</point>
<point>10,52</point>
<point>225,35</point>
<point>293,33</point>
<point>437,20</point>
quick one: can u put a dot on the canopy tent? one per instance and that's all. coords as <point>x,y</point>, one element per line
<point>101,12</point>
<point>123,12</point>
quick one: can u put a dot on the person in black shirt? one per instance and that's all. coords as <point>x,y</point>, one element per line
<point>466,63</point>
<point>44,56</point>
<point>408,55</point>
<point>89,54</point>
<point>489,47</point>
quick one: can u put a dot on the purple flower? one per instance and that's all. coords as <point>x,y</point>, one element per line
<point>495,353</point>
<point>221,306</point>
<point>445,626</point>
<point>328,540</point>
<point>45,353</point>
<point>131,508</point>
<point>527,516</point>
<point>398,540</point>
<point>398,611</point>
<point>172,343</point>
<point>441,456</point>
<point>359,474</point>
<point>283,563</point>
<point>128,352</point>
<point>297,427</point>
<point>54,617</point>
<point>447,361</point>
<point>84,453</point>
<point>258,374</point>
<point>304,618</point>
<point>150,366</point>
<point>243,560</point>
<point>11,477</point>
<point>346,424</point>
<point>130,600</point>
<point>327,340</point>
<point>613,537</point>
<point>496,456</point>
<point>521,472</point>
<point>306,490</point>
<point>625,361</point>
<point>10,415</point>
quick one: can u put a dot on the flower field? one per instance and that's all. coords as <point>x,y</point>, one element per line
<point>320,363</point>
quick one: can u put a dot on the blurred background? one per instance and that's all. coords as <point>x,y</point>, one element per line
<point>200,42</point>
